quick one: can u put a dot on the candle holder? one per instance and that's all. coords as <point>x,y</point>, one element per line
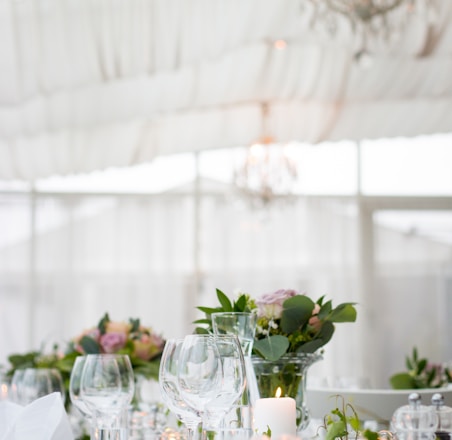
<point>288,373</point>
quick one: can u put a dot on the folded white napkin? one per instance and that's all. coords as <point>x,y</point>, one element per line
<point>43,419</point>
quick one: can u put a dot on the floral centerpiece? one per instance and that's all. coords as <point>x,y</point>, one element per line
<point>141,343</point>
<point>287,321</point>
<point>290,330</point>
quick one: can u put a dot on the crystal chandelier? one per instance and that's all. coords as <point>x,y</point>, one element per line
<point>382,20</point>
<point>268,172</point>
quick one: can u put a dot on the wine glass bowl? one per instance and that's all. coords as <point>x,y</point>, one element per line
<point>74,387</point>
<point>211,375</point>
<point>232,384</point>
<point>169,388</point>
<point>39,382</point>
<point>107,388</point>
<point>199,371</point>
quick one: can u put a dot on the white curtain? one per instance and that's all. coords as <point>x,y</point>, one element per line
<point>139,256</point>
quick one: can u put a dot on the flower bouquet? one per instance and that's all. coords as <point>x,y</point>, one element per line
<point>290,330</point>
<point>143,346</point>
<point>287,321</point>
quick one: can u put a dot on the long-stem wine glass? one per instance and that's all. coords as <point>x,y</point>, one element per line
<point>211,375</point>
<point>232,382</point>
<point>107,387</point>
<point>170,391</point>
<point>17,386</point>
<point>74,390</point>
<point>39,382</point>
<point>199,371</point>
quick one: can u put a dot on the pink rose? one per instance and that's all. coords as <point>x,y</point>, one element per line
<point>112,342</point>
<point>270,305</point>
<point>314,320</point>
<point>148,346</point>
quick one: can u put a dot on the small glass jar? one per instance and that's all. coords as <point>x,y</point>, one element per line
<point>415,421</point>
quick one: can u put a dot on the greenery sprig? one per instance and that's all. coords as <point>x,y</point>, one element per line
<point>421,374</point>
<point>343,423</point>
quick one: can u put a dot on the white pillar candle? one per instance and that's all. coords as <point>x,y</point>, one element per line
<point>277,414</point>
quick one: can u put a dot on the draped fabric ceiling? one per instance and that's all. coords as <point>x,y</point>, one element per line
<point>86,85</point>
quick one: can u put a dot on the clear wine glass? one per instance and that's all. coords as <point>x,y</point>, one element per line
<point>169,388</point>
<point>199,371</point>
<point>74,393</point>
<point>107,388</point>
<point>232,383</point>
<point>38,382</point>
<point>211,376</point>
<point>16,386</point>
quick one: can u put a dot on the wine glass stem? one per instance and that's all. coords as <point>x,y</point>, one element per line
<point>109,434</point>
<point>192,430</point>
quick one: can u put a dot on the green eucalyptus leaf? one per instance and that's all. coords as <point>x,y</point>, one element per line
<point>323,337</point>
<point>325,310</point>
<point>103,323</point>
<point>402,381</point>
<point>224,301</point>
<point>296,313</point>
<point>135,323</point>
<point>89,345</point>
<point>415,354</point>
<point>272,348</point>
<point>23,360</point>
<point>344,312</point>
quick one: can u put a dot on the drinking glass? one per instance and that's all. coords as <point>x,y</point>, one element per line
<point>107,387</point>
<point>74,393</point>
<point>199,371</point>
<point>211,376</point>
<point>242,325</point>
<point>231,385</point>
<point>38,382</point>
<point>169,388</point>
<point>16,386</point>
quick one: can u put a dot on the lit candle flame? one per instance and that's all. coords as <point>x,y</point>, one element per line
<point>278,392</point>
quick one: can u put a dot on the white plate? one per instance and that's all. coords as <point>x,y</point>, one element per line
<point>371,404</point>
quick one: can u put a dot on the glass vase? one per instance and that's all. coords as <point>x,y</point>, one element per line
<point>288,373</point>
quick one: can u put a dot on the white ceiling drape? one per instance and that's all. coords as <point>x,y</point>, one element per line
<point>87,85</point>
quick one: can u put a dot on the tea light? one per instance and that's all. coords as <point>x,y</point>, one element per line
<point>278,414</point>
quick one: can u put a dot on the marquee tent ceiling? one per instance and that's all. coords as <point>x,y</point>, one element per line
<point>86,85</point>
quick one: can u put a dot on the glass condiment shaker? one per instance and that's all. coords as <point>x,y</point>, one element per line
<point>444,413</point>
<point>415,421</point>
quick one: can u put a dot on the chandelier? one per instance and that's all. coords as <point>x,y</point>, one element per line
<point>382,20</point>
<point>268,172</point>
